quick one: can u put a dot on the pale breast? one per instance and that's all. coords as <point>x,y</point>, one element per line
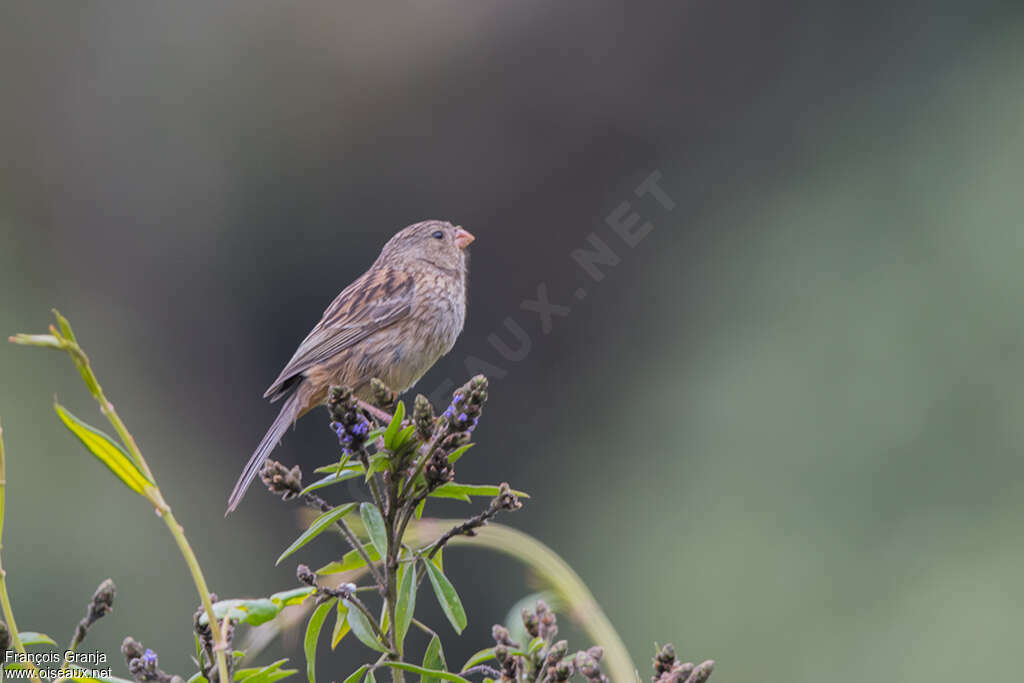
<point>400,354</point>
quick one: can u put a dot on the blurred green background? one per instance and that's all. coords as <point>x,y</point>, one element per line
<point>784,432</point>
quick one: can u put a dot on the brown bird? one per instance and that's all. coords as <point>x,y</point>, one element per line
<point>392,323</point>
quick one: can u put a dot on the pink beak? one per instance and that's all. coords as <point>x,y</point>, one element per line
<point>463,238</point>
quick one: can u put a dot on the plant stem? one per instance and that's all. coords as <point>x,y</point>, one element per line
<point>197,576</point>
<point>554,571</point>
<point>5,599</point>
<point>64,339</point>
<point>391,572</point>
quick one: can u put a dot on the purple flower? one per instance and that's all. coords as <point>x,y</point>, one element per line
<point>463,417</point>
<point>149,657</point>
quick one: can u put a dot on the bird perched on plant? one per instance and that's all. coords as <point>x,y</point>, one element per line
<point>392,323</point>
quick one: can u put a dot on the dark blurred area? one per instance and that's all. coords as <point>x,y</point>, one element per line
<point>782,432</point>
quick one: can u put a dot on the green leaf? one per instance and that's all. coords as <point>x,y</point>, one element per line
<point>349,561</point>
<point>433,660</point>
<point>455,490</point>
<point>357,674</point>
<point>341,627</point>
<point>370,678</point>
<point>45,340</point>
<point>405,604</point>
<point>316,622</point>
<point>197,677</point>
<point>419,508</point>
<point>375,527</point>
<point>267,674</point>
<point>390,434</point>
<point>424,673</point>
<point>403,436</point>
<point>106,449</point>
<point>334,478</point>
<point>446,595</point>
<point>441,492</point>
<point>379,462</point>
<point>252,612</point>
<point>438,559</point>
<point>295,596</point>
<point>362,629</point>
<point>33,638</point>
<point>485,655</point>
<point>459,452</point>
<point>319,525</point>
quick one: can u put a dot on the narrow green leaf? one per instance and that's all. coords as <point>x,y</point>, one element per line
<point>106,450</point>
<point>379,462</point>
<point>45,340</point>
<point>446,595</point>
<point>402,440</point>
<point>375,527</point>
<point>295,596</point>
<point>341,627</point>
<point>334,478</point>
<point>424,673</point>
<point>370,678</point>
<point>391,432</point>
<point>316,622</point>
<point>349,561</point>
<point>65,326</point>
<point>334,468</point>
<point>459,452</point>
<point>270,676</point>
<point>319,525</point>
<point>267,674</point>
<point>455,490</point>
<point>357,674</point>
<point>485,655</point>
<point>442,492</point>
<point>419,508</point>
<point>252,612</point>
<point>362,629</point>
<point>405,604</point>
<point>433,659</point>
<point>438,559</point>
<point>33,638</point>
<point>197,677</point>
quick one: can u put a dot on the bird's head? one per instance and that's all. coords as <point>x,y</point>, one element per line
<point>437,243</point>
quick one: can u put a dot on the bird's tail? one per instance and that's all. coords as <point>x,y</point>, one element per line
<point>290,411</point>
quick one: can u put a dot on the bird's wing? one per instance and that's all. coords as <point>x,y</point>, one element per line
<point>380,297</point>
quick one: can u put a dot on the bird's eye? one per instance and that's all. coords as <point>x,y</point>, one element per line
<point>438,235</point>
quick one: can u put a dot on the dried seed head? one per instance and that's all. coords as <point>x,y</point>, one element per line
<point>280,480</point>
<point>531,623</point>
<point>305,575</point>
<point>383,396</point>
<point>423,417</point>
<point>558,651</point>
